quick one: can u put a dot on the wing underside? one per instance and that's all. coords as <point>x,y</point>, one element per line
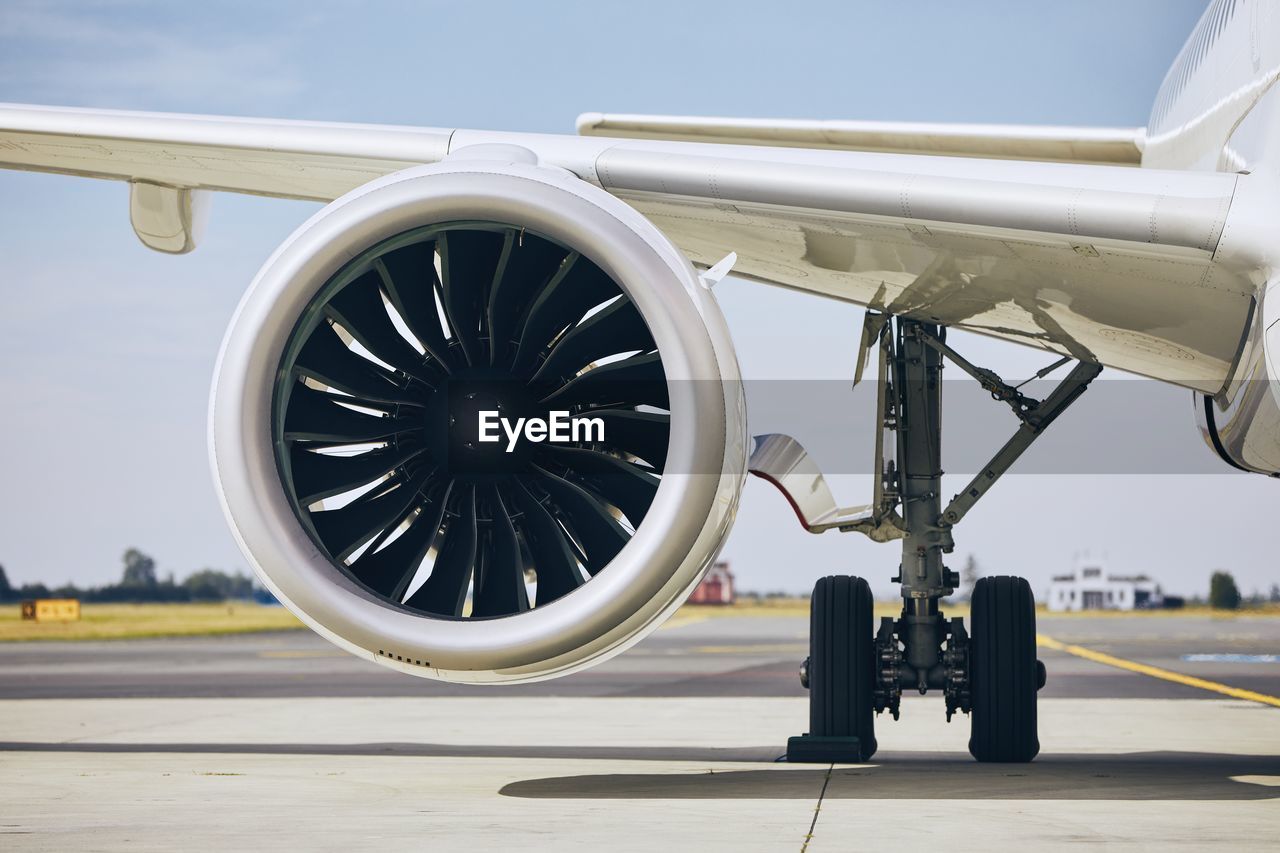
<point>1107,264</point>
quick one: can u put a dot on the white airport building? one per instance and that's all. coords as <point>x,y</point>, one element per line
<point>1089,588</point>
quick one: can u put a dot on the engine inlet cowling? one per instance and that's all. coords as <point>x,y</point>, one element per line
<point>478,421</point>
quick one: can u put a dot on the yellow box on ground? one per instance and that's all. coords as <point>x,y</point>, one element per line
<point>51,610</point>
<point>120,621</point>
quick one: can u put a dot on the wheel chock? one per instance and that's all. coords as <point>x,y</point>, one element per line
<point>815,749</point>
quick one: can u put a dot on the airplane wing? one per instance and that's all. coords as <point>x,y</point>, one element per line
<point>317,161</point>
<point>1114,145</point>
<point>1120,266</point>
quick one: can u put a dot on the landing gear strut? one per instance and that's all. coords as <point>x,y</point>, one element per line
<point>990,673</point>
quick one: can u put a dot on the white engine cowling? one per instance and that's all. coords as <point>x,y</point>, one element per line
<point>1242,422</point>
<point>353,357</point>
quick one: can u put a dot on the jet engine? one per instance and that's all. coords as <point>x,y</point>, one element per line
<point>1241,423</point>
<point>380,350</point>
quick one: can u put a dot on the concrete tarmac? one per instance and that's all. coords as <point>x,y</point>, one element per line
<point>696,654</point>
<point>280,742</point>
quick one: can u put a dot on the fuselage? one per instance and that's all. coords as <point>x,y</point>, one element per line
<point>1218,109</point>
<point>1223,75</point>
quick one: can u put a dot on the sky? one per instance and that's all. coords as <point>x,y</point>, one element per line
<point>107,349</point>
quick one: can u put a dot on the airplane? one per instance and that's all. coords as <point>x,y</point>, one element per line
<point>457,281</point>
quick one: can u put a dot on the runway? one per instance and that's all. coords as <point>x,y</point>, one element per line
<point>697,654</point>
<point>278,741</point>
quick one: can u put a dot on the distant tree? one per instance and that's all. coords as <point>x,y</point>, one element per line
<point>263,596</point>
<point>1274,597</point>
<point>1223,592</point>
<point>6,591</point>
<point>969,577</point>
<point>203,588</point>
<point>33,590</point>
<point>214,585</point>
<point>139,569</point>
<point>242,586</point>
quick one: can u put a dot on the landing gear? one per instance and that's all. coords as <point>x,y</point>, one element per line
<point>841,674</point>
<point>991,673</point>
<point>1004,674</point>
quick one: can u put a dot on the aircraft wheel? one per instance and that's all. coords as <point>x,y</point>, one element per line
<point>1003,671</point>
<point>841,666</point>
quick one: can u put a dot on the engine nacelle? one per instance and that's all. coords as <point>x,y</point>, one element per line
<point>1242,423</point>
<point>343,422</point>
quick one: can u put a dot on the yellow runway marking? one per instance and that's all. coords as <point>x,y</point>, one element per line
<point>1155,671</point>
<point>1265,781</point>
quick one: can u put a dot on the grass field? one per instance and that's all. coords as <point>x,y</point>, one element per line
<point>124,621</point>
<point>120,621</point>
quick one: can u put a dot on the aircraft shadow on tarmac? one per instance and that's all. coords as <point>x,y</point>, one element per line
<point>1135,776</point>
<point>946,776</point>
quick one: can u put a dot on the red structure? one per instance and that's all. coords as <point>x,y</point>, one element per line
<point>716,586</point>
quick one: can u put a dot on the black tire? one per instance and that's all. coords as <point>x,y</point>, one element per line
<point>1003,672</point>
<point>842,661</point>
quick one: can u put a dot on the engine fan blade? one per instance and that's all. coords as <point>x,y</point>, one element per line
<point>615,329</point>
<point>319,475</point>
<point>642,434</point>
<point>599,533</point>
<point>626,486</point>
<point>390,570</point>
<point>478,309</point>
<point>345,529</point>
<point>445,590</point>
<point>359,309</point>
<point>499,587</point>
<point>468,261</point>
<point>577,287</point>
<point>325,358</point>
<point>635,381</point>
<point>553,558</point>
<point>409,275</point>
<point>316,416</point>
<point>527,263</point>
